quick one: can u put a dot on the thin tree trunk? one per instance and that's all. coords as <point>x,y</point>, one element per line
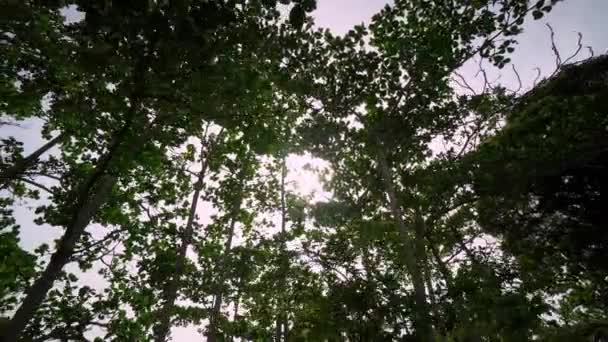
<point>235,313</point>
<point>21,166</point>
<point>285,328</point>
<point>281,322</point>
<point>422,255</point>
<point>278,330</point>
<point>90,197</point>
<point>161,331</point>
<point>217,303</point>
<point>422,320</point>
<point>421,249</point>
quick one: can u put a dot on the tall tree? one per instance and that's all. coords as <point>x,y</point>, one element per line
<point>552,151</point>
<point>187,234</point>
<point>386,104</point>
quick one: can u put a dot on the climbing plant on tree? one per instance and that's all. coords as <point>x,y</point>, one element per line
<point>552,151</point>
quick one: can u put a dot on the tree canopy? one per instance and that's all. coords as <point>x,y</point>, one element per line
<point>168,128</point>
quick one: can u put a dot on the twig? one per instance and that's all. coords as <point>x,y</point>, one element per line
<point>318,258</point>
<point>462,248</point>
<point>151,217</point>
<point>537,76</point>
<point>8,123</point>
<point>464,83</point>
<point>101,241</point>
<point>469,138</point>
<point>486,83</point>
<point>489,40</point>
<point>518,79</point>
<point>99,324</point>
<point>105,263</point>
<point>456,205</point>
<point>578,49</point>
<point>590,51</point>
<point>558,58</point>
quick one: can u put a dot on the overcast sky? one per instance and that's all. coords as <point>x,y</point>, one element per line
<point>586,16</point>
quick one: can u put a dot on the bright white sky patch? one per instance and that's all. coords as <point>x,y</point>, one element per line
<point>303,176</point>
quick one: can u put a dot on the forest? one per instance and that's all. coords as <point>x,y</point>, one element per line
<point>164,175</point>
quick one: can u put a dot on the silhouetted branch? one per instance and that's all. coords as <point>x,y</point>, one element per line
<point>36,184</point>
<point>578,49</point>
<point>538,73</point>
<point>44,175</point>
<point>108,236</point>
<point>8,123</point>
<point>470,137</point>
<point>518,79</point>
<point>558,58</point>
<point>464,83</point>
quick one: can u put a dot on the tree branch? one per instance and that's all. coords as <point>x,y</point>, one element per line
<point>38,185</point>
<point>578,48</point>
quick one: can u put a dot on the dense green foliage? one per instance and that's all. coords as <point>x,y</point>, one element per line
<point>170,126</point>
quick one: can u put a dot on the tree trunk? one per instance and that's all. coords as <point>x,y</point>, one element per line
<point>421,250</point>
<point>217,304</point>
<point>281,321</point>
<point>278,330</point>
<point>89,198</point>
<point>235,313</point>
<point>422,320</point>
<point>20,167</point>
<point>161,331</point>
<point>422,256</point>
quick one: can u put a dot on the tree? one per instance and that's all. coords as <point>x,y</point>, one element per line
<point>552,152</point>
<point>382,107</point>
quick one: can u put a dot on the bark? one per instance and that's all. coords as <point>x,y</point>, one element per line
<point>20,167</point>
<point>217,303</point>
<point>422,319</point>
<point>161,331</point>
<point>89,198</point>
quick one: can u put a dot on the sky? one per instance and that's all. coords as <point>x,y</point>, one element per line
<point>534,50</point>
